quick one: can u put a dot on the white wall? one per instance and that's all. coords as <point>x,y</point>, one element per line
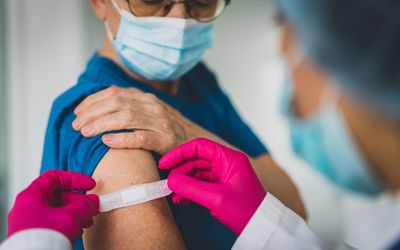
<point>3,103</point>
<point>46,44</point>
<point>51,40</point>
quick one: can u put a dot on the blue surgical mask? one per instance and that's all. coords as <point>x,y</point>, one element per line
<point>160,48</point>
<point>324,142</point>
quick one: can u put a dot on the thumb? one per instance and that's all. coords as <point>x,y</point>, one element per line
<point>122,140</point>
<point>200,192</point>
<point>133,140</point>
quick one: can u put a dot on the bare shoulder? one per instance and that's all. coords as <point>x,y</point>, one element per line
<point>146,226</point>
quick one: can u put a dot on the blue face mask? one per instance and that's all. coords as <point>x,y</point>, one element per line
<point>325,143</point>
<point>160,48</point>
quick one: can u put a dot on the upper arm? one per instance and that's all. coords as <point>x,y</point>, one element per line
<point>145,226</point>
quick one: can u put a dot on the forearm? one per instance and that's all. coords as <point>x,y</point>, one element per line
<point>272,177</point>
<point>275,181</point>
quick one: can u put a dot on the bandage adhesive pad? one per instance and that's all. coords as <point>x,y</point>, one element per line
<point>134,195</point>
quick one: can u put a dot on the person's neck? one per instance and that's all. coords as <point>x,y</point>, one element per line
<point>170,87</point>
<point>379,140</point>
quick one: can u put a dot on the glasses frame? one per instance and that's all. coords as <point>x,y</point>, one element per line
<point>171,3</point>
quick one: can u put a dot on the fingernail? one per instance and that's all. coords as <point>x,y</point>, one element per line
<point>78,109</point>
<point>87,130</point>
<point>108,138</point>
<point>171,182</point>
<point>161,163</point>
<point>164,162</point>
<point>94,199</point>
<point>76,124</point>
<point>175,199</point>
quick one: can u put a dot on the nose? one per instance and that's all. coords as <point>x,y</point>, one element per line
<point>178,10</point>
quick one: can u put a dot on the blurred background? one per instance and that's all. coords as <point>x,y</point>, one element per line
<point>45,44</point>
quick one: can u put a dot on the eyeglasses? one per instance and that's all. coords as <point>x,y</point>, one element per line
<point>201,10</point>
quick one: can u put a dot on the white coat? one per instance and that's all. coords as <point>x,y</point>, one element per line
<point>275,226</point>
<point>37,239</point>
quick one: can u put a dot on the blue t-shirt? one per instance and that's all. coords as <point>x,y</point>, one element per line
<point>199,98</point>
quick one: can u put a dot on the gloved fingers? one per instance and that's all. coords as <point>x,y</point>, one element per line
<point>197,149</point>
<point>54,180</point>
<point>177,199</point>
<point>84,208</point>
<point>190,188</point>
<point>204,175</point>
<point>191,167</point>
<point>67,197</point>
<point>88,223</point>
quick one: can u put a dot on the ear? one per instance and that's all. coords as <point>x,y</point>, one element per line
<point>288,40</point>
<point>100,8</point>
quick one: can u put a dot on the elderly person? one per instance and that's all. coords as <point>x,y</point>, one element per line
<point>148,83</point>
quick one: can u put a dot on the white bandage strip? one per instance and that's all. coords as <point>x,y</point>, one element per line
<point>134,195</point>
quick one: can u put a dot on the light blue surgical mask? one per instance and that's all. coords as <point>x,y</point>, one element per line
<point>160,48</point>
<point>324,142</point>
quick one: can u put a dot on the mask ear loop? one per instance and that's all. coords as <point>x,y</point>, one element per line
<point>108,31</point>
<point>331,95</point>
<point>107,26</point>
<point>298,58</point>
<point>117,6</point>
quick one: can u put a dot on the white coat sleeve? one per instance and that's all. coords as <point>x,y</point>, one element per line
<point>275,226</point>
<point>37,239</point>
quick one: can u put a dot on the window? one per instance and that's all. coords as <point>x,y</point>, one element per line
<point>3,121</point>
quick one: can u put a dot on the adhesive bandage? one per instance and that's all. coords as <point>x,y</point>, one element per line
<point>134,195</point>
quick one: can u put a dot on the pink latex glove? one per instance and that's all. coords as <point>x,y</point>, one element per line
<point>216,177</point>
<point>49,203</point>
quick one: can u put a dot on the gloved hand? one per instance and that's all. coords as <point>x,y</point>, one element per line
<point>216,177</point>
<point>50,203</point>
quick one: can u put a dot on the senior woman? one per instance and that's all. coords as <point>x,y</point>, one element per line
<point>148,81</point>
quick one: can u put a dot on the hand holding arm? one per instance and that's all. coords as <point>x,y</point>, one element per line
<point>157,126</point>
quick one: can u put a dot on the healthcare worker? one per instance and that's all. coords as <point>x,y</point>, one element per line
<point>50,214</point>
<point>353,137</point>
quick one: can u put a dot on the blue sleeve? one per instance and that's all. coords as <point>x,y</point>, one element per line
<point>238,133</point>
<point>232,127</point>
<point>64,148</point>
